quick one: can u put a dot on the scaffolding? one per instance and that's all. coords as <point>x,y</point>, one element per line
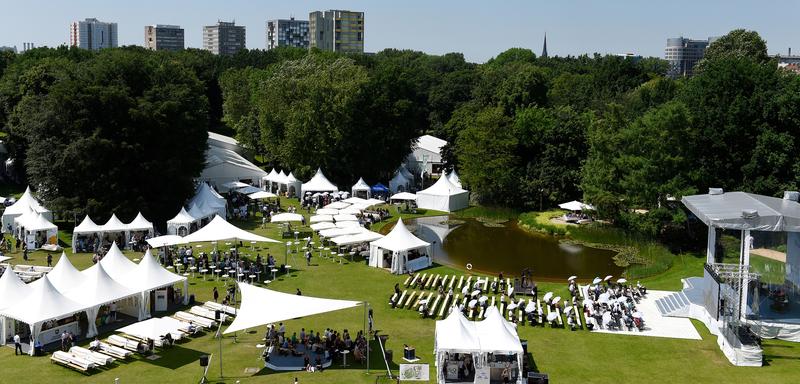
<point>736,281</point>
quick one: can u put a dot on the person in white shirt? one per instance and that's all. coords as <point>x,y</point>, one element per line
<point>17,345</point>
<point>94,345</point>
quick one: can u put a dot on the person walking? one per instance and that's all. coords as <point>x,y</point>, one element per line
<point>18,345</point>
<point>308,258</point>
<point>49,260</point>
<point>216,294</point>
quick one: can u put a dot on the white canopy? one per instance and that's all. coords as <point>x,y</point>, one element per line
<point>497,335</point>
<point>64,276</point>
<point>198,213</point>
<point>337,205</point>
<point>365,236</point>
<point>182,219</point>
<point>373,201</point>
<point>453,177</point>
<point>356,200</point>
<point>345,217</point>
<point>154,328</point>
<point>116,264</point>
<point>271,175</point>
<point>286,217</point>
<point>403,196</point>
<point>745,211</point>
<point>27,202</point>
<point>575,205</point>
<point>321,218</point>
<point>248,190</point>
<point>456,334</point>
<point>322,225</point>
<point>443,196</point>
<point>43,302</point>
<point>360,185</point>
<point>114,225</point>
<point>87,226</point>
<point>347,224</point>
<point>224,165</point>
<point>334,232</point>
<point>219,230</point>
<point>263,306</point>
<point>205,195</point>
<point>149,275</point>
<point>235,185</point>
<point>351,210</point>
<point>96,287</point>
<point>327,211</point>
<point>400,239</point>
<point>139,223</point>
<point>165,241</point>
<point>318,183</point>
<point>33,222</point>
<point>406,173</point>
<point>262,195</point>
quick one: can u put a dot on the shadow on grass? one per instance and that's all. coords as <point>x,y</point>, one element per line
<point>176,357</point>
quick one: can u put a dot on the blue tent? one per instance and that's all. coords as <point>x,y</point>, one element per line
<point>379,188</point>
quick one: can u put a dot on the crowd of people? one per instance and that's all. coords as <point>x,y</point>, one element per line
<point>316,348</point>
<point>613,306</point>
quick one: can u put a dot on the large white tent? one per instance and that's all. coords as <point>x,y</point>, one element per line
<point>97,288</point>
<point>443,196</point>
<point>453,177</point>
<point>361,188</point>
<point>264,306</point>
<point>27,202</point>
<point>224,165</point>
<point>64,276</point>
<point>483,340</point>
<point>318,183</point>
<point>208,197</point>
<point>181,224</point>
<point>12,291</point>
<point>220,230</point>
<point>149,275</point>
<point>398,243</point>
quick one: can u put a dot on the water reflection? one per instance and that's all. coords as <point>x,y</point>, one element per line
<point>510,249</point>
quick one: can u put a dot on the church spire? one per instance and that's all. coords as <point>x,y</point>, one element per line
<point>544,48</point>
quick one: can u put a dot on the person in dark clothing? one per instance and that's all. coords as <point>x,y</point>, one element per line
<point>216,295</point>
<point>49,260</point>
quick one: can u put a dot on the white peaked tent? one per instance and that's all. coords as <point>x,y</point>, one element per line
<point>139,223</point>
<point>453,177</point>
<point>42,303</point>
<point>264,306</point>
<point>27,202</point>
<point>267,180</point>
<point>224,165</point>
<point>12,291</point>
<point>149,275</point>
<point>456,334</point>
<point>199,213</point>
<point>208,196</point>
<point>181,224</point>
<point>114,225</point>
<point>575,205</point>
<point>116,264</point>
<point>497,335</point>
<point>399,183</point>
<point>293,185</point>
<point>360,188</point>
<point>406,173</point>
<point>399,241</point>
<point>31,224</point>
<point>95,289</point>
<point>220,230</point>
<point>86,227</point>
<point>318,183</point>
<point>443,196</point>
<point>64,275</point>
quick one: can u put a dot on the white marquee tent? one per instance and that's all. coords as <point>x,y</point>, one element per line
<point>264,306</point>
<point>140,224</point>
<point>443,196</point>
<point>453,177</point>
<point>575,205</point>
<point>199,213</point>
<point>12,291</point>
<point>181,224</point>
<point>399,242</point>
<point>220,230</point>
<point>205,195</point>
<point>27,202</point>
<point>318,183</point>
<point>149,275</point>
<point>36,230</point>
<point>97,288</point>
<point>361,188</point>
<point>64,276</point>
<point>399,183</point>
<point>86,227</point>
<point>224,165</point>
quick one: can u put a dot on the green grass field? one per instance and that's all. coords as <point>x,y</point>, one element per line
<point>569,357</point>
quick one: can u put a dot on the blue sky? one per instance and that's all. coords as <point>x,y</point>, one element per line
<point>479,29</point>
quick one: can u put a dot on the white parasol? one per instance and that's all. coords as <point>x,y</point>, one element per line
<point>547,296</point>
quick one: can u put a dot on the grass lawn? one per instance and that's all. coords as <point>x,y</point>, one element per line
<point>569,357</point>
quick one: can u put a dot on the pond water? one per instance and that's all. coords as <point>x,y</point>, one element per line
<point>509,249</point>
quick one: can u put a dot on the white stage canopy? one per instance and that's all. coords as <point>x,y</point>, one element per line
<point>443,196</point>
<point>318,183</point>
<point>399,241</point>
<point>262,306</point>
<point>745,211</point>
<point>220,230</point>
<point>403,196</point>
<point>575,205</point>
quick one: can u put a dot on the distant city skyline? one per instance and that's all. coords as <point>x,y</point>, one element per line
<point>479,30</point>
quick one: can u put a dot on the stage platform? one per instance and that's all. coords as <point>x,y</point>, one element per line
<point>771,324</point>
<point>278,362</point>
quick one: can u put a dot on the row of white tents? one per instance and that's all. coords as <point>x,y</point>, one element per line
<point>65,291</point>
<point>88,227</point>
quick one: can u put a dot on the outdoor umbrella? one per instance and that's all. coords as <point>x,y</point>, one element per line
<point>573,277</point>
<point>621,281</point>
<point>588,302</point>
<point>637,315</point>
<point>483,299</point>
<point>476,292</point>
<point>547,296</point>
<point>551,316</point>
<point>567,310</point>
<point>472,303</point>
<point>512,306</point>
<point>608,278</point>
<point>556,300</point>
<point>596,280</point>
<point>530,307</point>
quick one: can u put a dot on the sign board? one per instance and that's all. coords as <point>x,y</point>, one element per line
<point>482,375</point>
<point>161,300</point>
<point>414,372</point>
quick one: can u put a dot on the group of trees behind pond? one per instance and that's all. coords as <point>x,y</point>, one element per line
<point>123,129</point>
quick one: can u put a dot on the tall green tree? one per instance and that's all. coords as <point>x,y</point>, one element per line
<point>736,44</point>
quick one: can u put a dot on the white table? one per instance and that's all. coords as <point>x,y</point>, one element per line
<point>344,353</point>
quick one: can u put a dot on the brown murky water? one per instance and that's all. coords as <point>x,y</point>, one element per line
<point>510,249</point>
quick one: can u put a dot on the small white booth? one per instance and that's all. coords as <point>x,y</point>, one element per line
<point>140,226</point>
<point>27,202</point>
<point>453,177</point>
<point>208,197</point>
<point>82,235</point>
<point>443,196</point>
<point>400,251</point>
<point>181,224</point>
<point>361,188</point>
<point>399,183</point>
<point>36,231</point>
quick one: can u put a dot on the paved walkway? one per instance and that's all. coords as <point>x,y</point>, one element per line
<point>770,254</point>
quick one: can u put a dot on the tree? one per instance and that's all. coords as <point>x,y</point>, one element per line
<point>738,43</point>
<point>121,132</point>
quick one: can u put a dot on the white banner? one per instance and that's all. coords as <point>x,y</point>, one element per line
<point>414,372</point>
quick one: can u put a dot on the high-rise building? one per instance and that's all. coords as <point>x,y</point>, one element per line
<point>225,38</point>
<point>337,30</point>
<point>93,34</point>
<point>287,33</point>
<point>683,54</point>
<point>163,37</point>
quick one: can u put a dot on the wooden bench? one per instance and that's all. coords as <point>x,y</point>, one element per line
<point>411,299</point>
<point>460,282</point>
<point>416,304</point>
<point>402,297</point>
<point>72,361</point>
<point>92,356</point>
<point>577,317</point>
<point>413,281</point>
<point>115,352</point>
<point>122,342</point>
<point>444,305</point>
<point>452,282</point>
<point>432,309</point>
<point>432,281</point>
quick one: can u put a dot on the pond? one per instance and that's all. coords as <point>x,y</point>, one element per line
<point>509,249</point>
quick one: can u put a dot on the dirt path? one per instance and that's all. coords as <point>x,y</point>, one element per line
<point>770,254</point>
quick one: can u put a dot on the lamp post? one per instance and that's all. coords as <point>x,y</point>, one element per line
<point>541,196</point>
